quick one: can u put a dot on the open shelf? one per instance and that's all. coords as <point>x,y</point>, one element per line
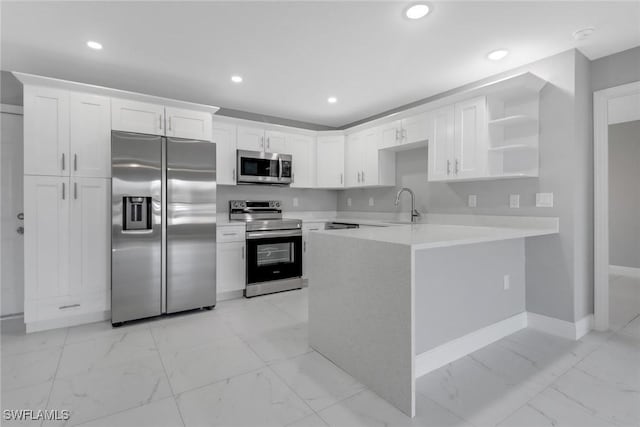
<point>518,119</point>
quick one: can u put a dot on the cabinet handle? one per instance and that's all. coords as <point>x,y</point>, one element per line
<point>358,176</point>
<point>160,121</point>
<point>269,142</point>
<point>229,234</point>
<point>63,191</point>
<point>62,161</point>
<point>75,161</point>
<point>243,252</point>
<point>262,142</point>
<point>169,122</point>
<point>233,174</point>
<point>404,134</point>
<point>448,167</point>
<point>75,190</point>
<point>293,177</point>
<point>456,169</point>
<point>62,307</point>
<point>341,178</point>
<point>363,180</point>
<point>304,246</point>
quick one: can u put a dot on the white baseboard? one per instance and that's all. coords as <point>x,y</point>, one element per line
<point>561,328</point>
<point>43,325</point>
<point>620,270</point>
<point>453,350</point>
<point>229,295</point>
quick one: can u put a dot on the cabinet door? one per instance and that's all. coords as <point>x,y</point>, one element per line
<point>306,229</point>
<point>369,174</point>
<point>224,136</point>
<point>470,147</point>
<point>302,148</point>
<point>353,160</point>
<point>46,245</point>
<point>141,117</point>
<point>250,138</point>
<point>188,124</point>
<point>441,145</point>
<point>231,267</point>
<point>276,142</point>
<point>90,135</point>
<point>330,161</point>
<point>416,128</point>
<point>390,134</point>
<point>46,131</point>
<point>90,248</point>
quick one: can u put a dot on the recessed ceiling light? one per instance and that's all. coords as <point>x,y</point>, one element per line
<point>417,11</point>
<point>583,33</point>
<point>94,45</point>
<point>498,54</point>
<point>332,100</point>
<point>236,79</point>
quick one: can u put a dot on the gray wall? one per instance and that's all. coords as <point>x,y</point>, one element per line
<point>624,194</point>
<point>615,70</point>
<point>308,200</point>
<point>10,89</point>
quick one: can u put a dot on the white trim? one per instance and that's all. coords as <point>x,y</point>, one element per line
<point>453,350</point>
<point>560,328</point>
<point>620,270</point>
<point>43,325</point>
<point>11,109</point>
<point>601,100</point>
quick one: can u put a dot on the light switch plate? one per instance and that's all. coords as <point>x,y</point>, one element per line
<point>472,201</point>
<point>371,201</point>
<point>349,202</point>
<point>295,202</point>
<point>514,200</point>
<point>544,200</point>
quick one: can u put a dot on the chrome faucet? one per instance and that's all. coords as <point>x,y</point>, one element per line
<point>414,213</point>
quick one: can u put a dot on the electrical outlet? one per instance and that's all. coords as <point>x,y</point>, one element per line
<point>514,200</point>
<point>349,202</point>
<point>295,202</point>
<point>472,201</point>
<point>544,200</point>
<point>371,201</point>
<point>506,282</point>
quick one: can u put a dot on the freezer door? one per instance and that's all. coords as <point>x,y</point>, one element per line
<point>191,224</point>
<point>136,226</point>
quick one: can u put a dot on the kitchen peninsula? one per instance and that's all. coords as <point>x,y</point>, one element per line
<point>390,304</point>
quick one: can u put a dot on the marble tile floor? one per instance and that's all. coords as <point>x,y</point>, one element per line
<point>248,363</point>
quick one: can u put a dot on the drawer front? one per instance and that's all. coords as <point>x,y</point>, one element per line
<point>230,234</point>
<point>55,308</point>
<point>312,226</point>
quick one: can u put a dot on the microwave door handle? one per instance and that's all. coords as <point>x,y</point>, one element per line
<point>279,169</point>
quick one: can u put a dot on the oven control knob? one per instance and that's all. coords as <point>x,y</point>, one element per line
<point>277,204</point>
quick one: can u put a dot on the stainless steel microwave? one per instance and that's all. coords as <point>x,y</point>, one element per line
<point>258,167</point>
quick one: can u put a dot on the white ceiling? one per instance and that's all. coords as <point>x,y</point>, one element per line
<point>293,55</point>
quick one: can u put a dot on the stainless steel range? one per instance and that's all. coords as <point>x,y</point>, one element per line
<point>274,247</point>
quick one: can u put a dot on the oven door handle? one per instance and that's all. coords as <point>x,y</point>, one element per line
<point>279,168</point>
<point>273,233</point>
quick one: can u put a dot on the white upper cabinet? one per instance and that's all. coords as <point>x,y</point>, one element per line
<point>46,131</point>
<point>251,138</point>
<point>90,135</point>
<point>189,124</point>
<point>470,146</point>
<point>330,161</point>
<point>302,149</point>
<point>133,116</point>
<point>400,133</point>
<point>353,160</point>
<point>224,136</point>
<point>390,134</point>
<point>441,144</point>
<point>367,165</point>
<point>276,142</point>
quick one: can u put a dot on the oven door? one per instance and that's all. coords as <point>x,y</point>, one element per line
<point>273,255</point>
<point>267,168</point>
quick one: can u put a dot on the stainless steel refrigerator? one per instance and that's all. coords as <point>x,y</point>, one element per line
<point>163,234</point>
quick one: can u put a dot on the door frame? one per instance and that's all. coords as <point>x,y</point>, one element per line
<point>601,101</point>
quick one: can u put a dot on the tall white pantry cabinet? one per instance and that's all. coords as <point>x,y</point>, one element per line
<point>67,166</point>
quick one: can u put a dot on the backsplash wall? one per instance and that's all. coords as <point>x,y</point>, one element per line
<point>308,200</point>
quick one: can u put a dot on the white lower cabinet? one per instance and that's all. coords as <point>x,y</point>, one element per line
<point>231,274</point>
<point>308,227</point>
<point>67,266</point>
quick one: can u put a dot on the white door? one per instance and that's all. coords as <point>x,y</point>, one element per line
<point>12,241</point>
<point>390,134</point>
<point>224,136</point>
<point>231,267</point>
<point>416,128</point>
<point>441,145</point>
<point>188,124</point>
<point>46,131</point>
<point>276,142</point>
<point>250,138</point>
<point>353,160</point>
<point>470,147</point>
<point>370,155</point>
<point>90,135</point>
<point>90,238</point>
<point>46,238</point>
<point>141,117</point>
<point>330,161</point>
<point>302,148</point>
